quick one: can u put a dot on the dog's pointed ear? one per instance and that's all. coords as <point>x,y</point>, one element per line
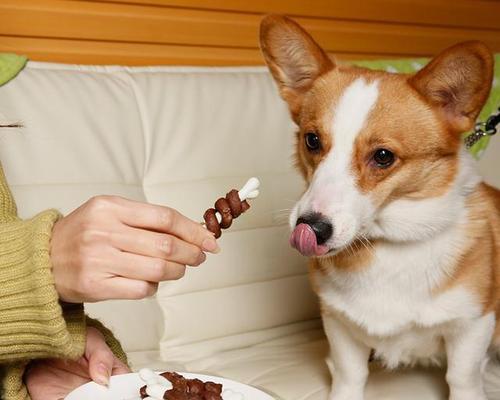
<point>294,58</point>
<point>458,82</point>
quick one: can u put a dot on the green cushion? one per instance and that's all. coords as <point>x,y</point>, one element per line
<point>10,65</point>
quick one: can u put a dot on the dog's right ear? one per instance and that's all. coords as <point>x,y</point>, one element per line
<point>457,83</point>
<point>294,58</point>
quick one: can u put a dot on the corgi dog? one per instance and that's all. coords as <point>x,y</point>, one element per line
<point>403,235</point>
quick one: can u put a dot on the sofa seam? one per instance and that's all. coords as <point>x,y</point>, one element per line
<point>309,322</point>
<point>113,69</point>
<point>160,296</point>
<point>145,125</point>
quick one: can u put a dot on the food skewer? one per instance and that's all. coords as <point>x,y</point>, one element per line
<point>230,207</point>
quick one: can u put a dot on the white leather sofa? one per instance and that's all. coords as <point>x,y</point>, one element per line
<point>182,137</point>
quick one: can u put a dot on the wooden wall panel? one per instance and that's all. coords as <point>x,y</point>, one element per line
<point>458,13</point>
<point>88,52</point>
<point>218,32</point>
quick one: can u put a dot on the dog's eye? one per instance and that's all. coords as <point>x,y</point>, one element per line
<point>312,141</point>
<point>383,157</point>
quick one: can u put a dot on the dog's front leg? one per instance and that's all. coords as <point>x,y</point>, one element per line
<point>466,348</point>
<point>348,361</point>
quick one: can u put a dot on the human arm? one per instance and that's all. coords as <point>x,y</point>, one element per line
<point>34,324</point>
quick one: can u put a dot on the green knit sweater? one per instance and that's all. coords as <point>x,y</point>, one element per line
<point>33,322</point>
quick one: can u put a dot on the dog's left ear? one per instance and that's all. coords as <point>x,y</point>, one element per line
<point>458,81</point>
<point>293,57</point>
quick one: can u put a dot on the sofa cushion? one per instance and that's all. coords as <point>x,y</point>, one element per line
<point>293,368</point>
<point>180,137</point>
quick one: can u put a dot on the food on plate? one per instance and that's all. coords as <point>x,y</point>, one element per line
<point>173,386</point>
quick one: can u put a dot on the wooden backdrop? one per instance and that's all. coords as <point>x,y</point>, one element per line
<point>222,32</point>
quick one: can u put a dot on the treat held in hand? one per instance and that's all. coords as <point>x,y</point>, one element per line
<point>230,207</point>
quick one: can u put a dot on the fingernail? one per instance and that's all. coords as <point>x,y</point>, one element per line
<point>102,375</point>
<point>202,258</point>
<point>210,245</point>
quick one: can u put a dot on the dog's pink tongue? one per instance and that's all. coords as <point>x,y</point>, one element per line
<point>303,239</point>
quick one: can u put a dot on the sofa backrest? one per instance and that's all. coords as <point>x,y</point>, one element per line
<point>180,137</point>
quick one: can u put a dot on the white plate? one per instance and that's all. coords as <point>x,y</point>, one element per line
<point>125,387</point>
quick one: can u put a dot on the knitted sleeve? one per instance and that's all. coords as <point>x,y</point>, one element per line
<point>12,372</point>
<point>12,377</point>
<point>33,323</point>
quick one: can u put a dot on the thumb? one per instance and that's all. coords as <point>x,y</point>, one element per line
<point>120,368</point>
<point>99,356</point>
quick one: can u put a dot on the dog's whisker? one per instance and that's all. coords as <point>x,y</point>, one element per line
<point>368,243</point>
<point>283,210</point>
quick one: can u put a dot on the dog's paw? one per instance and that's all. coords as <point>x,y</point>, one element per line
<point>346,393</point>
<point>345,396</point>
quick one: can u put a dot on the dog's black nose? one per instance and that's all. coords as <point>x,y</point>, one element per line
<point>322,228</point>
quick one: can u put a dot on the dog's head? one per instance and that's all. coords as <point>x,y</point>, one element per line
<point>380,152</point>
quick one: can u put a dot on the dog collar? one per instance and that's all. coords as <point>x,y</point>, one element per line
<point>482,129</point>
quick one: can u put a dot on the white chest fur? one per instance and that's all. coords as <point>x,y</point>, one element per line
<point>393,305</point>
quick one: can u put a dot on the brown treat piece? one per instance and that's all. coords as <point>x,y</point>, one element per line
<point>213,387</point>
<point>178,381</point>
<point>171,376</point>
<point>245,206</point>
<point>188,389</point>
<point>195,386</point>
<point>229,208</point>
<point>212,396</point>
<point>233,198</point>
<point>180,384</point>
<point>222,205</point>
<point>211,222</point>
<point>174,394</point>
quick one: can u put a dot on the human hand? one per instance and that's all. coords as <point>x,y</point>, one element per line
<point>55,379</point>
<point>114,248</point>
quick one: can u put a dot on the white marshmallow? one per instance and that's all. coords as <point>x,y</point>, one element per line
<point>157,391</point>
<point>148,375</point>
<point>151,378</point>
<point>249,190</point>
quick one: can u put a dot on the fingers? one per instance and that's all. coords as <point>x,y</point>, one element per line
<point>102,363</point>
<point>168,220</point>
<point>122,275</point>
<point>85,244</point>
<point>137,267</point>
<point>54,379</point>
<point>120,368</point>
<point>100,358</point>
<point>158,245</point>
<point>127,289</point>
